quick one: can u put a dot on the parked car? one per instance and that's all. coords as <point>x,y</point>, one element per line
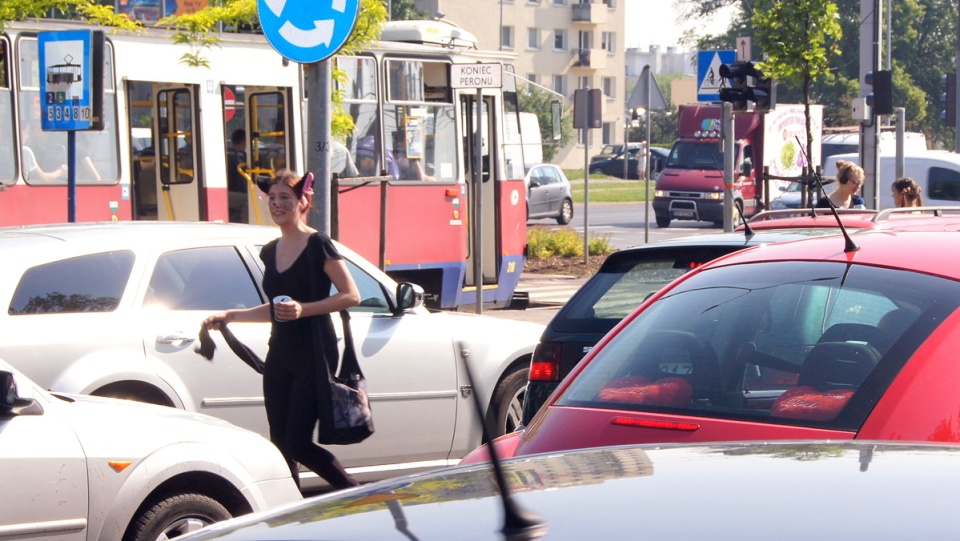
<point>808,339</point>
<point>612,151</point>
<point>83,468</point>
<point>795,491</point>
<point>548,193</point>
<point>625,279</point>
<point>114,309</point>
<point>613,167</point>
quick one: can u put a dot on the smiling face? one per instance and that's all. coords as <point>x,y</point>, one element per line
<point>284,205</point>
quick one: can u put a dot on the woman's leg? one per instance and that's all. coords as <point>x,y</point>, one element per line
<point>292,415</point>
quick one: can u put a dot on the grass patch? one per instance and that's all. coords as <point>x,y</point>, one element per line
<point>545,242</point>
<point>612,191</point>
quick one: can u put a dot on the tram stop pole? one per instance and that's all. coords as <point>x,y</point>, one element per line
<point>319,133</point>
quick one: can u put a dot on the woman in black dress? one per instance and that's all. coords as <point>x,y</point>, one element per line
<point>290,388</point>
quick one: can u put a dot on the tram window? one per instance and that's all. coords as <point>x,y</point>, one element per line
<point>414,80</point>
<point>361,78</point>
<point>43,155</point>
<point>268,142</point>
<point>420,142</point>
<point>176,146</point>
<point>7,164</point>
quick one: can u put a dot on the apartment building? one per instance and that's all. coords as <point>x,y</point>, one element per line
<point>562,45</point>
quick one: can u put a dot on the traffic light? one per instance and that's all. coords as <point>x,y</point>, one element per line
<point>881,99</point>
<point>749,90</point>
<point>949,98</point>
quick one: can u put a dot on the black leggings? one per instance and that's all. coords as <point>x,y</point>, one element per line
<point>291,403</point>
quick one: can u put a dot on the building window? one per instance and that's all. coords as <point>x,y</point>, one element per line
<point>559,40</point>
<point>532,77</point>
<point>533,38</point>
<point>612,4</point>
<point>559,2</point>
<point>583,82</point>
<point>585,39</point>
<point>558,85</point>
<point>607,41</point>
<point>609,87</point>
<point>607,134</point>
<point>533,1</point>
<point>506,37</point>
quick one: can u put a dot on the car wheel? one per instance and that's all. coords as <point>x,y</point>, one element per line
<point>505,413</point>
<point>174,515</point>
<point>566,212</point>
<point>663,221</point>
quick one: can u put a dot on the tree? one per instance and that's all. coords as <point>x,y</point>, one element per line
<point>88,10</point>
<point>406,10</point>
<point>798,36</point>
<point>538,101</point>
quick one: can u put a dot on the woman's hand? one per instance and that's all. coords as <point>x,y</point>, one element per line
<point>287,310</point>
<point>216,320</point>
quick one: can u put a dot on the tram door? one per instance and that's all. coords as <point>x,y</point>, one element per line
<point>488,217</point>
<point>177,149</point>
<point>260,142</point>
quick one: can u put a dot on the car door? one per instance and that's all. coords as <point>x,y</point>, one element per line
<point>537,192</point>
<point>411,372</point>
<point>552,189</point>
<point>185,286</point>
<point>43,478</point>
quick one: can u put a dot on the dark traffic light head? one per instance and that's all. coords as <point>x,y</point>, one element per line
<point>748,85</point>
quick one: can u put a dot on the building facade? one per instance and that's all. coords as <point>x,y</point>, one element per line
<point>561,45</point>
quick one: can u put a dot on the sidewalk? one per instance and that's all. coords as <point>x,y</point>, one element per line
<point>549,289</point>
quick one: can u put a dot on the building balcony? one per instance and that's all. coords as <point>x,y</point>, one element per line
<point>589,14</point>
<point>591,59</point>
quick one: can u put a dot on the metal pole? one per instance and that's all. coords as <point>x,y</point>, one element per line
<point>317,79</point>
<point>900,113</point>
<point>728,159</point>
<point>71,176</point>
<point>477,205</point>
<point>646,165</point>
<point>586,195</point>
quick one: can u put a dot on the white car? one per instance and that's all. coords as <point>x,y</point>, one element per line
<point>97,469</point>
<point>114,309</point>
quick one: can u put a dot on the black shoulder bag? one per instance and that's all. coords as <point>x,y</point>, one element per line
<point>345,417</point>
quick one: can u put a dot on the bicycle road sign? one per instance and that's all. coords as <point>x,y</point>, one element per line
<point>709,81</point>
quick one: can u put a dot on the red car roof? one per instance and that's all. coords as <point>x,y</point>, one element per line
<point>935,252</point>
<point>917,218</point>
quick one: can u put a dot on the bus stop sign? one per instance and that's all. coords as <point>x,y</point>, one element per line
<point>71,80</point>
<point>307,31</point>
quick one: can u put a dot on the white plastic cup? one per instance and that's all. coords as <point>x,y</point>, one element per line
<point>278,299</point>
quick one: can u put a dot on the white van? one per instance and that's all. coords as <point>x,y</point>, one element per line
<point>844,143</point>
<point>936,171</point>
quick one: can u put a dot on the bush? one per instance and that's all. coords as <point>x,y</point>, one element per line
<point>543,243</point>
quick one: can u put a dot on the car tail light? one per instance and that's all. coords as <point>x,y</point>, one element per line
<point>649,423</point>
<point>546,362</point>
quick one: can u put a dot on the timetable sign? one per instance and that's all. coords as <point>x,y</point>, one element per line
<point>71,80</point>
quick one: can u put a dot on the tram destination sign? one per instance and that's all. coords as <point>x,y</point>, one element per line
<point>476,75</point>
<point>71,80</point>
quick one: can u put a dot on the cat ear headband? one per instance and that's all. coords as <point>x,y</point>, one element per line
<point>304,187</point>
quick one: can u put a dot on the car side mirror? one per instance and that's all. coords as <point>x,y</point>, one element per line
<point>409,296</point>
<point>534,182</point>
<point>10,401</point>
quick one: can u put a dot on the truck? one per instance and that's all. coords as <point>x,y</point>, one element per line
<point>691,184</point>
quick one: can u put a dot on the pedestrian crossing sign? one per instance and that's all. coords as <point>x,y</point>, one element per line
<point>709,81</point>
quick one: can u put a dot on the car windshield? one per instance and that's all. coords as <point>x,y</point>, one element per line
<point>809,343</point>
<point>695,155</point>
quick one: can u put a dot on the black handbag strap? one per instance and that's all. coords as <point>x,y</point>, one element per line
<point>349,365</point>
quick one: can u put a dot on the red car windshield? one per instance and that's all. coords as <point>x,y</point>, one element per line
<point>800,343</point>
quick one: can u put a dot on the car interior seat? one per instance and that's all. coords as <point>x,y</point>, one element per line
<point>850,332</point>
<point>672,368</point>
<point>891,327</point>
<point>831,374</point>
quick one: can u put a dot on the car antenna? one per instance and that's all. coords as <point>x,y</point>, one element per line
<point>519,524</point>
<point>747,230</point>
<point>851,246</point>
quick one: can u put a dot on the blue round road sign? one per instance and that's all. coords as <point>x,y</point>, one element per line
<point>307,31</point>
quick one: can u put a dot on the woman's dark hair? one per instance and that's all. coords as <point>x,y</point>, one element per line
<point>287,177</point>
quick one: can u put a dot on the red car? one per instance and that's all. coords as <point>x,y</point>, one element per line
<point>793,340</point>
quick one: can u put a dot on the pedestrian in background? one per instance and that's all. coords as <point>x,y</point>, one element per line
<point>907,193</point>
<point>849,180</point>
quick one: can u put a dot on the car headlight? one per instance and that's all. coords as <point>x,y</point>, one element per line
<point>659,193</point>
<point>716,196</point>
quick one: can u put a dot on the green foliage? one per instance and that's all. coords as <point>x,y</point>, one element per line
<point>406,10</point>
<point>543,242</point>
<point>88,10</point>
<point>536,100</point>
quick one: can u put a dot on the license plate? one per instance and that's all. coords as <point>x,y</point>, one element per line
<point>683,213</point>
